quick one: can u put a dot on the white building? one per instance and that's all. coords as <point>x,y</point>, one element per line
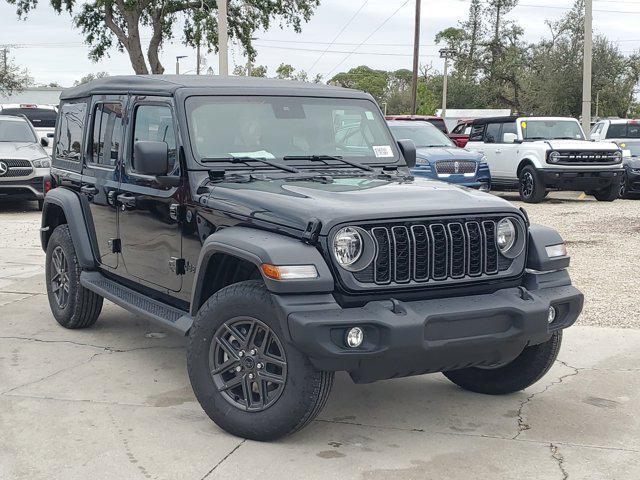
<point>454,115</point>
<point>38,95</point>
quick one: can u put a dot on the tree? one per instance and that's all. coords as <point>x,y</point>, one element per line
<point>288,72</point>
<point>89,77</point>
<point>12,77</point>
<point>108,23</point>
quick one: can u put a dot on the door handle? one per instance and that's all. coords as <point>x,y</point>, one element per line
<point>89,190</point>
<point>126,201</point>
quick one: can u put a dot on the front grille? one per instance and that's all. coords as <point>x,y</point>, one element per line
<point>16,168</point>
<point>434,251</point>
<point>579,157</point>
<point>455,167</point>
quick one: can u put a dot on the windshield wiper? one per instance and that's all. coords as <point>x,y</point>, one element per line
<point>566,138</point>
<point>321,158</point>
<point>245,160</point>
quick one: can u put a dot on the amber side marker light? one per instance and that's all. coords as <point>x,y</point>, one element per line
<point>289,272</point>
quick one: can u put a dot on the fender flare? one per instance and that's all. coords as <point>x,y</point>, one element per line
<point>541,237</point>
<point>70,204</point>
<point>528,160</point>
<point>258,247</point>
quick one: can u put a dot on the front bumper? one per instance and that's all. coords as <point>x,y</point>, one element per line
<point>29,189</point>
<point>481,180</point>
<point>580,179</point>
<point>633,181</point>
<point>412,338</point>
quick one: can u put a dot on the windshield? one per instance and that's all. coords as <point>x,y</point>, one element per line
<point>422,134</point>
<point>39,117</point>
<point>634,148</point>
<point>279,127</point>
<point>16,131</point>
<point>551,130</point>
<point>624,130</point>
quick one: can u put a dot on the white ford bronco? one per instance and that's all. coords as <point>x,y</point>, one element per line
<point>536,154</point>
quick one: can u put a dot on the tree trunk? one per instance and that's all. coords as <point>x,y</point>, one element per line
<point>129,40</point>
<point>154,44</point>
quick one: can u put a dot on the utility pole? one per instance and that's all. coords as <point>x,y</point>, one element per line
<point>198,33</point>
<point>586,67</point>
<point>223,38</point>
<point>5,53</point>
<point>445,53</point>
<point>416,58</point>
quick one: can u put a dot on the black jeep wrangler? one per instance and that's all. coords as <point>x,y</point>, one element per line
<point>278,226</point>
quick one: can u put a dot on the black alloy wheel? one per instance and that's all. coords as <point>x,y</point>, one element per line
<point>248,364</point>
<point>527,183</point>
<point>60,277</point>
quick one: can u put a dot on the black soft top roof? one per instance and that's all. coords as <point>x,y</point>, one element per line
<point>215,85</point>
<point>484,121</point>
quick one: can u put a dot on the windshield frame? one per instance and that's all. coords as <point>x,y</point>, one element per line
<point>426,125</point>
<point>29,128</point>
<point>397,160</point>
<point>543,120</point>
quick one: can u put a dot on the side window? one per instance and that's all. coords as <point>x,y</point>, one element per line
<point>155,123</point>
<point>107,134</point>
<point>467,130</point>
<point>597,128</point>
<point>458,129</point>
<point>69,141</point>
<point>508,128</point>
<point>492,135</point>
<point>477,132</point>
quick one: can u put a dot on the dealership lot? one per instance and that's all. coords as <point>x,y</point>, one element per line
<point>114,401</point>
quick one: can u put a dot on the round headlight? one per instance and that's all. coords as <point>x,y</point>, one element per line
<point>554,156</point>
<point>506,234</point>
<point>618,155</point>
<point>347,246</point>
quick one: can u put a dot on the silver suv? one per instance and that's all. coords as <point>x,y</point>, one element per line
<point>23,160</point>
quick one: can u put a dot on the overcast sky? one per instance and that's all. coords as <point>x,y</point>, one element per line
<point>52,49</point>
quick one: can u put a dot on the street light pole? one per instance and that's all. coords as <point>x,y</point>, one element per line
<point>178,58</point>
<point>445,53</point>
<point>416,57</point>
<point>223,38</point>
<point>586,67</point>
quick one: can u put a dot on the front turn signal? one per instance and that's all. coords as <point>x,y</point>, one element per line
<point>289,272</point>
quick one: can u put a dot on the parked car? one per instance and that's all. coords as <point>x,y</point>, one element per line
<point>438,157</point>
<point>535,154</point>
<point>23,161</point>
<point>436,121</point>
<point>460,133</point>
<point>228,209</point>
<point>42,117</point>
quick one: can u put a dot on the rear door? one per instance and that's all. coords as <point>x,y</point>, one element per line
<point>492,149</point>
<point>148,222</point>
<point>100,176</point>
<point>507,160</point>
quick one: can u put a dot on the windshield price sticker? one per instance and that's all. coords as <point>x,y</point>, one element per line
<point>381,151</point>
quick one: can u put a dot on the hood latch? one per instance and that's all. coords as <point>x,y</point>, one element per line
<point>312,232</point>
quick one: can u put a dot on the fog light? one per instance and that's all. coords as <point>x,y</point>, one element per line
<point>552,314</point>
<point>355,336</point>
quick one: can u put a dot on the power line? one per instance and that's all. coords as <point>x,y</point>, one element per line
<point>390,54</point>
<point>368,37</point>
<point>339,33</point>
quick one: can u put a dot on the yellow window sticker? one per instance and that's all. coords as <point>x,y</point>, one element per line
<point>523,124</point>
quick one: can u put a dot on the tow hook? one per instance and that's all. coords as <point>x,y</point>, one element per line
<point>524,294</point>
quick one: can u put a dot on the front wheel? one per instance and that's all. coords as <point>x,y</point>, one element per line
<point>247,378</point>
<point>623,187</point>
<point>528,367</point>
<point>608,194</point>
<point>531,186</point>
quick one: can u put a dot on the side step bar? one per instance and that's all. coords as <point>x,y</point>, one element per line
<point>137,303</point>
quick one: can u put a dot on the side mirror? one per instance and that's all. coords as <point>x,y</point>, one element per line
<point>408,150</point>
<point>151,158</point>
<point>509,137</point>
<point>44,142</point>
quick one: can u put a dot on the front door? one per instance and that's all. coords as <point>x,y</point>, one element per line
<point>148,224</point>
<point>100,176</point>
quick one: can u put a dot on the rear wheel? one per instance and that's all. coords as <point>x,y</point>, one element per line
<point>608,194</point>
<point>528,367</point>
<point>72,305</point>
<point>623,187</point>
<point>247,378</point>
<point>531,186</point>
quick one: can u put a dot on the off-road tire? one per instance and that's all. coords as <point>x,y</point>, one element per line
<point>534,192</point>
<point>83,306</point>
<point>305,390</point>
<point>608,194</point>
<point>529,367</point>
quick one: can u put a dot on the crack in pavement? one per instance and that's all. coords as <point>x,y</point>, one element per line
<point>90,345</point>
<point>224,458</point>
<point>559,458</point>
<point>30,295</point>
<point>522,425</point>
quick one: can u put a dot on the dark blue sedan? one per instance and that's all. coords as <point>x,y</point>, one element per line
<point>438,157</point>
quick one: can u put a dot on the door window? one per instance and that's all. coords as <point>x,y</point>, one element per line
<point>107,134</point>
<point>69,144</point>
<point>155,123</point>
<point>477,132</point>
<point>492,134</point>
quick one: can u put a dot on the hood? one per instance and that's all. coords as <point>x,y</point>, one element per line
<point>580,145</point>
<point>433,154</point>
<point>295,203</point>
<point>21,151</point>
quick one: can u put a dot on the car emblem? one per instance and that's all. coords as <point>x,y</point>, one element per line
<point>4,168</point>
<point>456,167</point>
